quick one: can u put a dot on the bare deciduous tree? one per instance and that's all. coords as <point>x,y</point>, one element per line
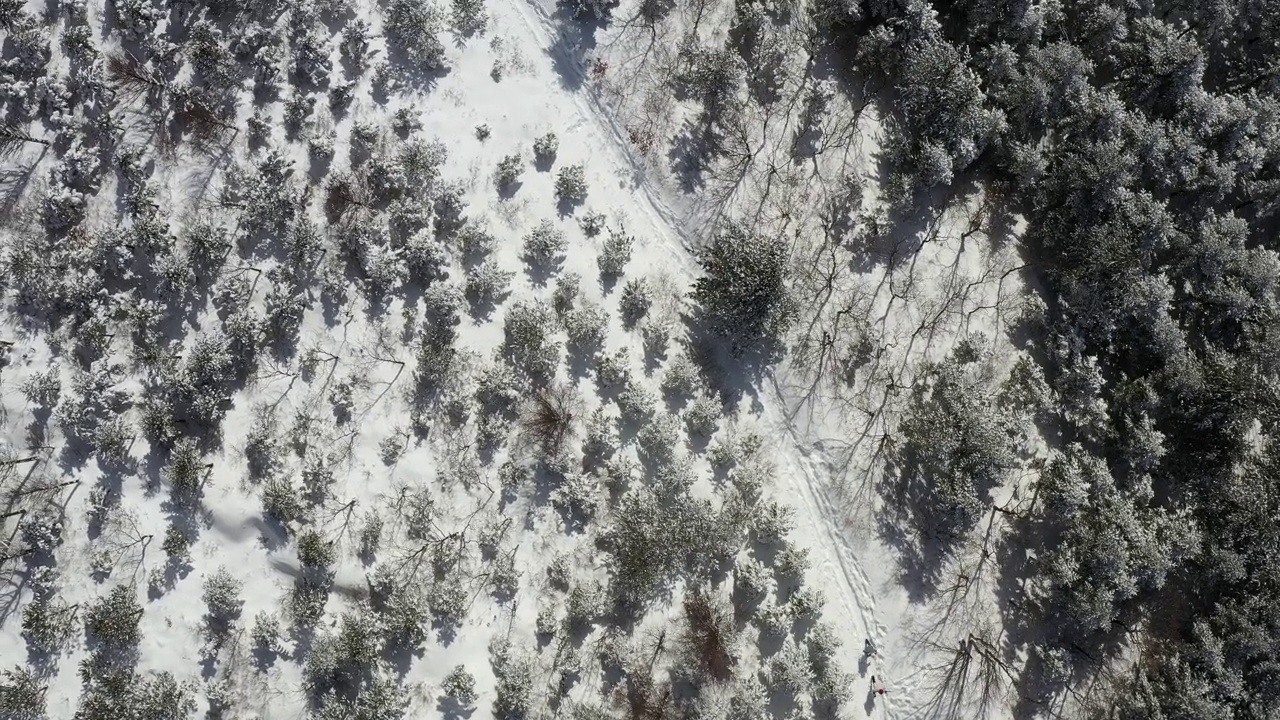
<point>13,136</point>
<point>972,682</point>
<point>550,419</point>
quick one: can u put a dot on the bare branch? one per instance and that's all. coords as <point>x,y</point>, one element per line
<point>13,137</point>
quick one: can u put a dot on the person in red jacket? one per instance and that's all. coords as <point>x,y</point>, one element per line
<point>879,687</point>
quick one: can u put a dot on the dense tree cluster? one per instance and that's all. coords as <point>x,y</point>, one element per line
<point>346,676</point>
<point>1140,142</point>
<point>743,291</point>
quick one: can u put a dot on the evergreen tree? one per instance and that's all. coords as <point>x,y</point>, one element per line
<point>743,291</point>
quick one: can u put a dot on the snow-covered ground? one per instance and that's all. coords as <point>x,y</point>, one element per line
<point>820,445</point>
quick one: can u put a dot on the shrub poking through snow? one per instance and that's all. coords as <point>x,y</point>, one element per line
<point>702,417</point>
<point>774,620</point>
<point>791,563</point>
<point>751,583</point>
<point>545,246</point>
<point>565,297</point>
<point>407,119</point>
<point>311,58</point>
<point>592,223</point>
<point>527,343</point>
<point>177,545</point>
<point>613,370</point>
<point>789,671</point>
<point>113,692</point>
<point>344,673</point>
<point>954,449</point>
<point>364,136</point>
<point>586,326</point>
<point>680,379</point>
<point>470,17</point>
<point>22,695</point>
<point>460,686</point>
<point>354,45</point>
<point>601,440</point>
<point>222,598</point>
<point>615,254</point>
<point>513,695</point>
<point>806,603</point>
<point>571,185</point>
<point>635,403</point>
<point>659,440</point>
<point>708,636</point>
<point>371,535</point>
<point>48,623</point>
<point>314,552</point>
<point>43,388</point>
<point>545,624</point>
<point>655,336</point>
<point>772,522</point>
<point>414,26</point>
<point>654,534</point>
<point>545,149</point>
<point>635,300</point>
<point>298,111</point>
<point>185,473</point>
<point>113,620</point>
<point>510,168</point>
<point>830,685</point>
<point>560,572</point>
<point>474,242</point>
<point>618,473</point>
<point>581,607</point>
<point>425,256</point>
<point>488,284</point>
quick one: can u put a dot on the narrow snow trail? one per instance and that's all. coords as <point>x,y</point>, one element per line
<point>836,570</point>
<point>854,605</point>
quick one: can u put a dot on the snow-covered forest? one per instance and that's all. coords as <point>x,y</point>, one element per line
<point>649,360</point>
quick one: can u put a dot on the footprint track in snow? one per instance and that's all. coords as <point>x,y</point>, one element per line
<point>852,607</point>
<point>842,577</point>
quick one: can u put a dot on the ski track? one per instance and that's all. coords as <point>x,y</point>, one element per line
<point>839,573</point>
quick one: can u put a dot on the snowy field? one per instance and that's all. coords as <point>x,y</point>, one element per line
<point>439,443</point>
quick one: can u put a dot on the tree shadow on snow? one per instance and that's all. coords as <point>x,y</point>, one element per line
<point>580,361</point>
<point>14,182</point>
<point>909,227</point>
<point>903,523</point>
<point>451,709</point>
<point>544,163</point>
<point>574,39</point>
<point>782,703</point>
<point>691,156</point>
<point>507,191</point>
<point>400,655</point>
<point>540,273</point>
<point>566,207</point>
<point>1083,651</point>
<point>730,376</point>
<point>410,74</point>
<point>870,704</point>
